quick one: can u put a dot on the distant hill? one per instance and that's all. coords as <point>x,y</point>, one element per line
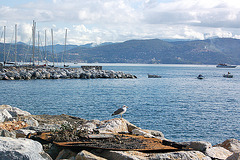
<point>210,51</point>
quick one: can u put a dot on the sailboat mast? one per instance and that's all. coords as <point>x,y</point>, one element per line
<point>4,52</point>
<point>52,45</point>
<point>15,44</point>
<point>33,37</point>
<point>38,48</point>
<point>65,47</point>
<point>46,47</point>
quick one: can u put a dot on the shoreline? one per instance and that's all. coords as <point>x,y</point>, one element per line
<point>20,124</point>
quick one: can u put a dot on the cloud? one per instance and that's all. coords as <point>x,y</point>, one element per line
<point>108,20</point>
<point>204,13</point>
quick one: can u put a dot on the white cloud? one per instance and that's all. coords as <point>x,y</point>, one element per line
<point>108,20</point>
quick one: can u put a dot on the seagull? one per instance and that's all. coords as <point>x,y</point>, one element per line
<point>120,111</point>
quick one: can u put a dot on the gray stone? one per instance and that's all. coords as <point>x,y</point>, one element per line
<point>140,132</point>
<point>234,156</point>
<point>4,115</point>
<point>198,145</point>
<point>66,154</point>
<point>14,149</point>
<point>156,134</point>
<point>85,155</point>
<point>232,145</point>
<point>184,155</point>
<point>134,155</point>
<point>30,121</point>
<point>113,126</point>
<point>218,153</point>
<point>6,133</point>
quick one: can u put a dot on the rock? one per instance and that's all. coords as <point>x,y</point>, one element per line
<point>66,154</point>
<point>21,148</point>
<point>30,121</point>
<point>218,153</point>
<point>232,145</point>
<point>156,134</point>
<point>90,125</point>
<point>198,145</point>
<point>85,155</point>
<point>234,156</point>
<point>113,126</point>
<point>6,133</point>
<point>123,155</point>
<point>134,155</point>
<point>185,155</point>
<point>15,112</point>
<point>4,115</point>
<point>22,133</point>
<point>7,107</point>
<point>140,132</point>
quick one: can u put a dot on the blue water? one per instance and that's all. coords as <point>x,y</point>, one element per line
<point>183,107</point>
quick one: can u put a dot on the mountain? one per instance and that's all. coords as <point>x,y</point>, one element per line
<point>210,51</point>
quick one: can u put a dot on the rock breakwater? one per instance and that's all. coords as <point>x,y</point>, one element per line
<point>25,141</point>
<point>28,73</point>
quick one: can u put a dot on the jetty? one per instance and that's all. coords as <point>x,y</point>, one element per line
<point>29,72</point>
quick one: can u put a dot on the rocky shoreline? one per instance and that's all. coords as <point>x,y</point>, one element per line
<point>43,72</point>
<point>22,137</point>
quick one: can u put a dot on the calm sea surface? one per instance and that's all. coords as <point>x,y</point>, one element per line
<point>183,107</point>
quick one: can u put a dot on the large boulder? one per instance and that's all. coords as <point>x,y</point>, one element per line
<point>85,155</point>
<point>116,125</point>
<point>218,153</point>
<point>14,111</point>
<point>13,149</point>
<point>134,155</point>
<point>234,156</point>
<point>66,154</point>
<point>232,145</point>
<point>201,146</point>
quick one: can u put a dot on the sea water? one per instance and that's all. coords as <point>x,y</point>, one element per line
<point>181,106</point>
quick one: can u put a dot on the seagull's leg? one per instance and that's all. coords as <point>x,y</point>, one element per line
<point>121,116</point>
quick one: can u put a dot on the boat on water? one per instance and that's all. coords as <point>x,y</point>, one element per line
<point>200,76</point>
<point>225,65</point>
<point>154,76</point>
<point>228,75</point>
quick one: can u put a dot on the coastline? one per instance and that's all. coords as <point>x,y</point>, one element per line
<point>31,124</point>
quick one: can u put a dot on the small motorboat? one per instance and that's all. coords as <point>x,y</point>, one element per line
<point>200,76</point>
<point>228,75</point>
<point>154,76</point>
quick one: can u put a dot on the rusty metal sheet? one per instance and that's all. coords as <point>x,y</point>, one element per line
<point>126,143</point>
<point>121,142</point>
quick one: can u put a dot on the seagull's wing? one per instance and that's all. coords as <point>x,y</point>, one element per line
<point>120,110</point>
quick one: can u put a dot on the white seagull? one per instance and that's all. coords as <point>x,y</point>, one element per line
<point>120,111</point>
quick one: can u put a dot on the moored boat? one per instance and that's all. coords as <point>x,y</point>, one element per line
<point>200,76</point>
<point>228,75</point>
<point>154,76</point>
<point>224,65</point>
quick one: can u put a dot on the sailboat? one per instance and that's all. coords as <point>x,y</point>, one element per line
<point>5,61</point>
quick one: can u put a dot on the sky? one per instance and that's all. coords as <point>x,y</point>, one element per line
<point>99,21</point>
